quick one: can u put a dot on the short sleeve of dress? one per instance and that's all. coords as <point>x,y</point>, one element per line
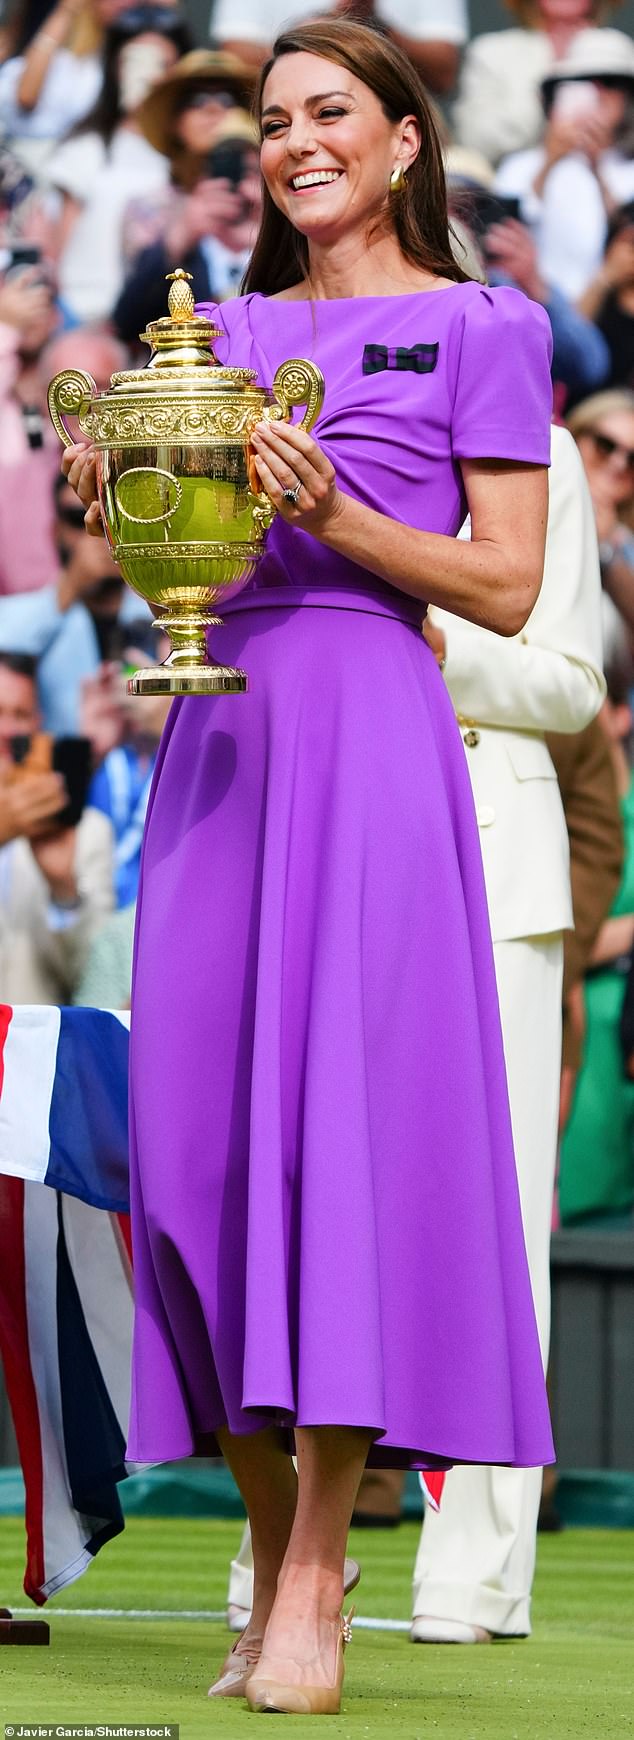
<point>229,318</point>
<point>209,311</point>
<point>503,390</point>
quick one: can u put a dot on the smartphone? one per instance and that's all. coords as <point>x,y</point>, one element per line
<point>228,162</point>
<point>21,256</point>
<point>575,99</point>
<point>70,756</point>
<point>493,208</point>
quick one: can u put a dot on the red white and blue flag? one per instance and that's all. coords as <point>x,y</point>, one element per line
<point>65,1342</point>
<point>64,1100</point>
<point>66,1303</point>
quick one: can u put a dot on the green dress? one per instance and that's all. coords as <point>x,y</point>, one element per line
<point>596,1179</point>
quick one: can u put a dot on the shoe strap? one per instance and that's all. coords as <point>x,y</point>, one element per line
<point>346,1625</point>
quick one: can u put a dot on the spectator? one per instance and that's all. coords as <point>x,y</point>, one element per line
<point>125,733</point>
<point>596,1178</point>
<point>499,107</point>
<point>29,448</point>
<point>569,186</point>
<point>210,231</point>
<point>107,156</point>
<point>603,427</point>
<point>609,298</point>
<point>28,455</point>
<point>53,77</point>
<point>431,32</point>
<point>75,623</point>
<point>185,112</point>
<point>55,880</point>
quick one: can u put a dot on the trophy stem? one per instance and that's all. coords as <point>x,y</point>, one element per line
<point>188,669</point>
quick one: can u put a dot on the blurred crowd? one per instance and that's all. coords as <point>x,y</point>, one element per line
<point>126,150</point>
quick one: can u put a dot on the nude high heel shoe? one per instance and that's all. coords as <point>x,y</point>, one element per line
<point>269,1695</point>
<point>238,1667</point>
<point>236,1670</point>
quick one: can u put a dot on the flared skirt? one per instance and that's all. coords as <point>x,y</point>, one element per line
<point>326,1221</point>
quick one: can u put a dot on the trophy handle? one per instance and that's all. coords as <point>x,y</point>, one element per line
<point>69,395</point>
<point>298,382</point>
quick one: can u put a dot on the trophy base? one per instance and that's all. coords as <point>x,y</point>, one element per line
<point>189,680</point>
<point>188,670</point>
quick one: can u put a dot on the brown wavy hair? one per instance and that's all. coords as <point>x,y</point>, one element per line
<point>418,215</point>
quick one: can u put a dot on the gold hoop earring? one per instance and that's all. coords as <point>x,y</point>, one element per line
<point>398,179</point>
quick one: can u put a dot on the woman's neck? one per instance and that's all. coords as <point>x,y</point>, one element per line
<point>350,268</point>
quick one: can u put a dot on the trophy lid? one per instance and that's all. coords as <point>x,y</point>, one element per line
<point>182,341</point>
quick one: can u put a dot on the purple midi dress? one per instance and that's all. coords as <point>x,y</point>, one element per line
<point>326,1221</point>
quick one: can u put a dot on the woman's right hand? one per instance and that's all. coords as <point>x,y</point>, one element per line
<point>78,466</point>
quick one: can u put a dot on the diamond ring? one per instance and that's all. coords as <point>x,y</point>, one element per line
<point>292,494</point>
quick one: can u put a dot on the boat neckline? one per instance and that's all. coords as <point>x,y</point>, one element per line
<point>324,301</point>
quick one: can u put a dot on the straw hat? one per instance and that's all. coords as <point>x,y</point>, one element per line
<point>236,124</point>
<point>603,56</point>
<point>203,67</point>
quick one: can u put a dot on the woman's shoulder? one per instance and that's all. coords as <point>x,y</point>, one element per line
<point>489,308</point>
<point>511,307</point>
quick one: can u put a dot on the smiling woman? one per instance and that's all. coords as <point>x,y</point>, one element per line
<point>343,121</point>
<point>328,1245</point>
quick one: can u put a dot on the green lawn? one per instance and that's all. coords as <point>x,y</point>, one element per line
<point>575,1677</point>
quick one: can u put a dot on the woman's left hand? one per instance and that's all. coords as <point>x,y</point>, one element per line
<point>287,457</point>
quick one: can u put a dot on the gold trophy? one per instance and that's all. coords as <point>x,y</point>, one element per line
<point>179,495</point>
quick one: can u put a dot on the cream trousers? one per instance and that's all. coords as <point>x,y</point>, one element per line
<point>476,1557</point>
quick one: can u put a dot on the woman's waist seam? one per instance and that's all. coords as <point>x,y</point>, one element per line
<point>411,617</point>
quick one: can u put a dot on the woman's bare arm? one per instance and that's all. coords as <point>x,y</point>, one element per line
<point>52,35</point>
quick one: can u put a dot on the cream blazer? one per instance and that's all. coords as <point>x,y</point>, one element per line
<point>498,108</point>
<point>508,692</point>
<point>39,963</point>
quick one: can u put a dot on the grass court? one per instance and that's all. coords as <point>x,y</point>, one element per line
<point>575,1677</point>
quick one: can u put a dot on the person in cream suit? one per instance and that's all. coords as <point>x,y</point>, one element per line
<point>475,1564</point>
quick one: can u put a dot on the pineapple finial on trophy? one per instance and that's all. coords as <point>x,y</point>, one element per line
<point>181,298</point>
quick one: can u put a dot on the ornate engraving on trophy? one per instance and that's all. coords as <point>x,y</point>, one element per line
<point>175,483</point>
